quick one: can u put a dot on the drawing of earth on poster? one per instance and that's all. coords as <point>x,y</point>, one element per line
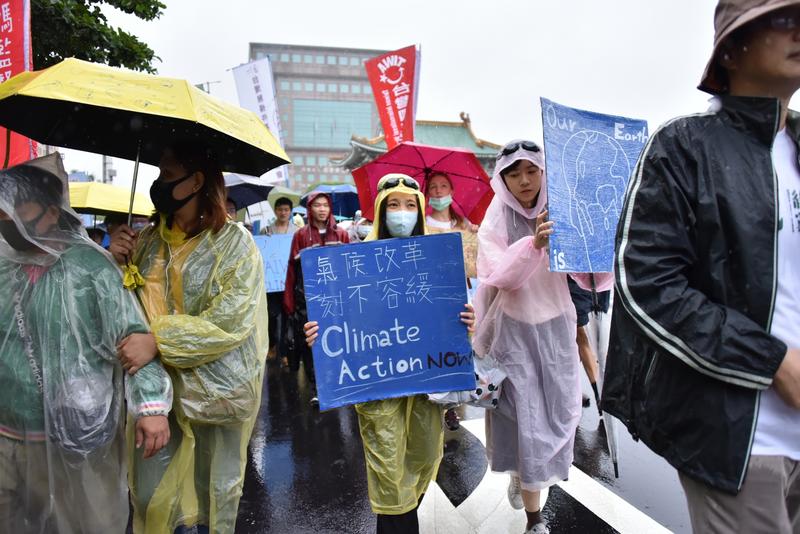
<point>589,159</point>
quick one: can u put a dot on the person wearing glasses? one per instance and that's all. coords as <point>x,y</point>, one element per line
<point>65,320</point>
<point>403,437</point>
<point>704,357</point>
<point>526,321</point>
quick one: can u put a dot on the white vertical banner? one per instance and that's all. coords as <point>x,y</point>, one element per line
<point>255,86</point>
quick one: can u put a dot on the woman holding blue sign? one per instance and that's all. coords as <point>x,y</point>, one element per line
<point>403,437</point>
<point>527,323</point>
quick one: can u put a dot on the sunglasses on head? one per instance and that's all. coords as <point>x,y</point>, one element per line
<point>510,149</point>
<point>394,182</point>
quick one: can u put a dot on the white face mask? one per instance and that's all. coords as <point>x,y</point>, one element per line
<point>401,223</point>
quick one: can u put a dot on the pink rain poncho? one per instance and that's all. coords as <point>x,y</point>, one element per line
<point>527,322</point>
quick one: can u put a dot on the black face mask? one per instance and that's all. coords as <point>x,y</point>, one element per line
<point>161,195</point>
<point>12,235</point>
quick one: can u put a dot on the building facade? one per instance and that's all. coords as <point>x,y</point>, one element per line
<point>324,98</point>
<point>437,133</point>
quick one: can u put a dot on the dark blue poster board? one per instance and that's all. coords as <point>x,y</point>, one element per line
<point>275,250</point>
<point>388,313</point>
<point>589,158</point>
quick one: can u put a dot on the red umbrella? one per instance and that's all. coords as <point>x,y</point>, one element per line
<point>471,190</point>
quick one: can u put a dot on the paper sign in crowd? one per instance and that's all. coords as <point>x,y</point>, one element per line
<point>589,159</point>
<point>389,318</point>
<point>275,250</point>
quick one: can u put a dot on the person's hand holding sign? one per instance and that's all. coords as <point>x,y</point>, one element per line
<point>544,229</point>
<point>468,318</point>
<point>311,330</point>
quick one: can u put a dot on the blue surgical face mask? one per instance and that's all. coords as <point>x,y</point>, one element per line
<point>401,223</point>
<point>442,203</point>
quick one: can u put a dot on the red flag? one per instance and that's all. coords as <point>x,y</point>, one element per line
<point>16,56</point>
<point>394,78</point>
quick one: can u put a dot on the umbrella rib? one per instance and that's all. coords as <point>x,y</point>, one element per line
<point>421,157</point>
<point>432,167</point>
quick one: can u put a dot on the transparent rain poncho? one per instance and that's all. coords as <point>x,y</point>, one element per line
<point>62,389</point>
<point>205,299</point>
<point>403,437</point>
<point>527,322</point>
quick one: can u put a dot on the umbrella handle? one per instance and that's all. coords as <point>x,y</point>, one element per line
<point>8,148</point>
<point>133,185</point>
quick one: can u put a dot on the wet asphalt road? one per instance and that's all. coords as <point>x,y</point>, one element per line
<point>305,470</point>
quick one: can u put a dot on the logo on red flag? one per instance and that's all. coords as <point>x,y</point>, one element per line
<point>394,79</point>
<point>16,56</point>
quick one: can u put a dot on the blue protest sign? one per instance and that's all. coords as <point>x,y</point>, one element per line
<point>275,251</point>
<point>589,159</point>
<point>388,314</point>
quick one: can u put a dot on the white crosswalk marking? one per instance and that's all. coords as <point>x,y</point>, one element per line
<point>487,510</point>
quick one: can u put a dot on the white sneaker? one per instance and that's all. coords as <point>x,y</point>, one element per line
<point>538,528</point>
<point>515,494</point>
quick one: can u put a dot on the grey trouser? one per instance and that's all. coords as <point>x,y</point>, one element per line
<point>41,493</point>
<point>768,502</point>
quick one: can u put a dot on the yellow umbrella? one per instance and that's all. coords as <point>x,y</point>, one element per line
<point>102,199</point>
<point>85,106</point>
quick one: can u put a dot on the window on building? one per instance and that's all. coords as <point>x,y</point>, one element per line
<point>297,86</point>
<point>295,58</point>
<point>356,89</point>
<point>322,160</point>
<point>343,60</point>
<point>367,90</point>
<point>331,60</point>
<point>311,160</point>
<point>284,118</point>
<point>297,160</point>
<point>332,87</point>
<point>310,178</point>
<point>308,58</point>
<point>320,60</point>
<point>308,86</point>
<point>355,62</point>
<point>260,55</point>
<point>329,124</point>
<point>344,88</point>
<point>320,87</point>
<point>323,177</point>
<point>284,85</point>
<point>285,58</point>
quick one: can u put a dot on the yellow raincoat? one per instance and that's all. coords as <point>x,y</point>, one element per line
<point>205,300</point>
<point>403,437</point>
